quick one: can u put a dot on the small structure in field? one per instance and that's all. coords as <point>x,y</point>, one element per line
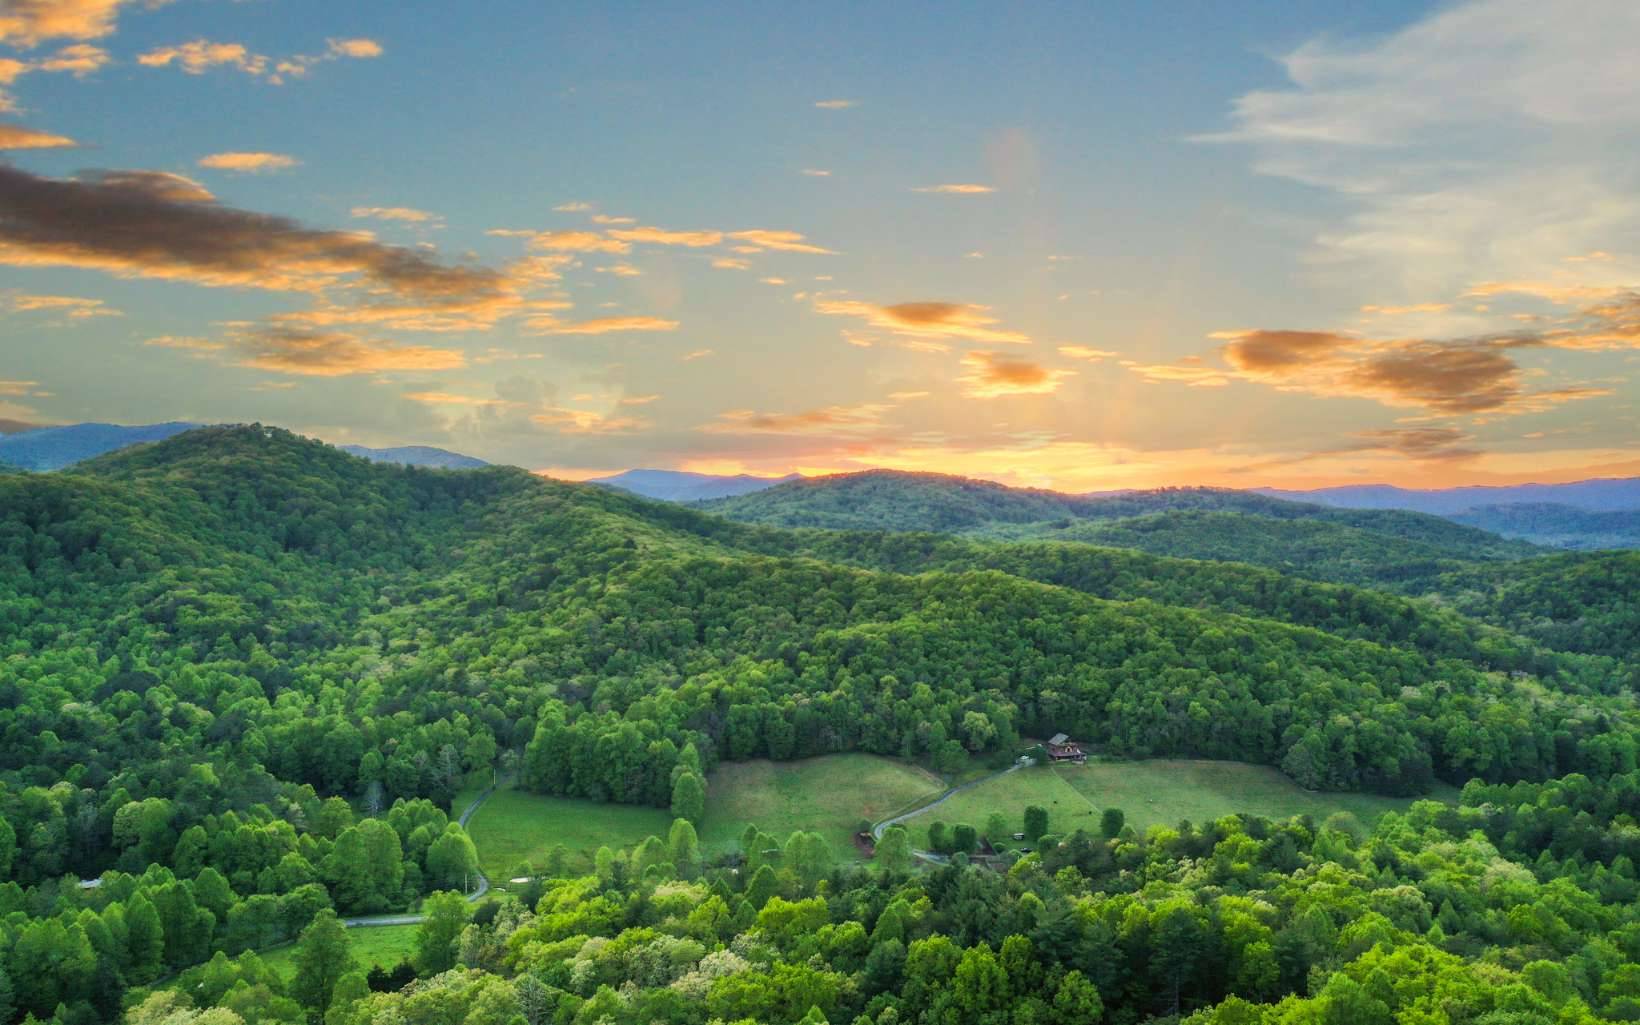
<point>1062,748</point>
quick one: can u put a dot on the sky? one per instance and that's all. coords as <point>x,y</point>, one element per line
<point>1083,246</point>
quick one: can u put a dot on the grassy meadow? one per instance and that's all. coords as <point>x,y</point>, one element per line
<point>1157,792</point>
<point>828,795</point>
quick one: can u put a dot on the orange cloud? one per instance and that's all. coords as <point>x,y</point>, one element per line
<point>638,400</point>
<point>248,162</point>
<point>600,326</point>
<point>1192,376</point>
<point>359,49</point>
<point>662,237</point>
<point>835,104</point>
<point>156,225</point>
<point>335,354</point>
<point>620,270</point>
<point>186,343</point>
<point>407,214</point>
<point>198,56</point>
<point>1396,311</point>
<point>956,189</point>
<point>731,263</point>
<point>925,319</point>
<point>201,55</point>
<point>440,398</point>
<point>28,23</point>
<point>1466,376</point>
<point>690,357</point>
<point>18,137</point>
<point>565,241</point>
<point>79,60</point>
<point>1085,352</point>
<point>825,420</point>
<point>781,241</point>
<point>74,307</point>
<point>990,375</point>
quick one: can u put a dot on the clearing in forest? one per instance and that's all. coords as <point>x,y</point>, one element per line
<point>1155,792</point>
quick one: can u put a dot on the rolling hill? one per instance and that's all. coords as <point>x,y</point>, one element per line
<point>1384,547</point>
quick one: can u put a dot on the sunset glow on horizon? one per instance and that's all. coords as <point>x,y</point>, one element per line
<point>1390,245</point>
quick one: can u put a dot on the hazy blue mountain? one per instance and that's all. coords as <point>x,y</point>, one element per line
<point>1607,495</point>
<point>682,486</point>
<point>52,448</point>
<point>1562,526</point>
<point>416,455</point>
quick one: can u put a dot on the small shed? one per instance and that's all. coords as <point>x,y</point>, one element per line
<point>1061,748</point>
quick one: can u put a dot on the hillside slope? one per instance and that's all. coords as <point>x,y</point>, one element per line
<point>291,569</point>
<point>1337,545</point>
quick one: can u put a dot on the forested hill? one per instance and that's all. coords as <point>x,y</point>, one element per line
<point>245,673</point>
<point>1381,547</point>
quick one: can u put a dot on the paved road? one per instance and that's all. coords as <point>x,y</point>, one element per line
<point>367,921</point>
<point>930,856</point>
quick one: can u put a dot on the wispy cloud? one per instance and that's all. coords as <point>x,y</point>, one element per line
<point>1477,143</point>
<point>334,353</point>
<point>816,172</point>
<point>409,215</point>
<point>865,416</point>
<point>198,56</point>
<point>78,59</point>
<point>956,189</point>
<point>1088,353</point>
<point>187,343</point>
<point>836,104</point>
<point>71,306</point>
<point>599,326</point>
<point>780,241</point>
<point>18,137</point>
<point>663,237</point>
<point>565,241</point>
<point>248,162</point>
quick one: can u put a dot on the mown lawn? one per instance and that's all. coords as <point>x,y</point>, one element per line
<point>828,795</point>
<point>1155,792</point>
<point>514,827</point>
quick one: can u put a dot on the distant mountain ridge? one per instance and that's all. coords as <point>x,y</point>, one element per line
<point>683,486</point>
<point>416,455</point>
<point>1381,547</point>
<point>1600,495</point>
<point>54,448</point>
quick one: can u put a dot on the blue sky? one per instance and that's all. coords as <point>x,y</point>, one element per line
<point>1072,245</point>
